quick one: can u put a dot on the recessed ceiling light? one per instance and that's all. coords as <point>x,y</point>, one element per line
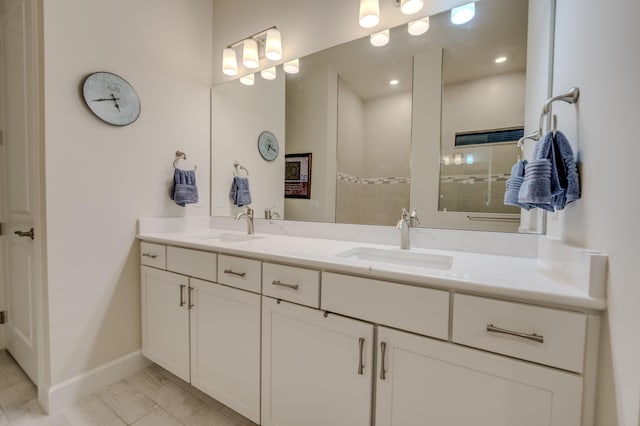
<point>463,14</point>
<point>394,82</point>
<point>501,59</point>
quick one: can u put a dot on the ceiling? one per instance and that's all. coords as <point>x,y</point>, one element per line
<point>498,28</point>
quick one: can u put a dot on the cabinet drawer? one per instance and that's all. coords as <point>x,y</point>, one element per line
<point>239,272</point>
<point>417,309</point>
<point>296,285</point>
<point>543,335</point>
<point>153,255</point>
<point>195,263</point>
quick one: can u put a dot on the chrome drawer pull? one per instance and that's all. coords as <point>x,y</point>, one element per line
<point>229,271</point>
<point>383,370</point>
<point>535,337</point>
<point>153,256</point>
<point>281,284</point>
<point>361,362</point>
<point>182,286</point>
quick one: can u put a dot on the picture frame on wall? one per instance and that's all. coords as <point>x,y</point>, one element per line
<point>297,175</point>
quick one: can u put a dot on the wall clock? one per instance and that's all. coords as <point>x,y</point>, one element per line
<point>268,146</point>
<point>111,98</point>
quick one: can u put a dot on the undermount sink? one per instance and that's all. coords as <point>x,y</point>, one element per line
<point>399,257</point>
<point>231,238</point>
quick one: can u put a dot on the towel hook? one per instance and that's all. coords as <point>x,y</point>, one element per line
<point>237,166</point>
<point>179,155</point>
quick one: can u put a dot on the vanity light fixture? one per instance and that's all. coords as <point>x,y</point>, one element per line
<point>248,80</point>
<point>463,14</point>
<point>229,62</point>
<point>268,73</point>
<point>292,67</point>
<point>411,7</point>
<point>250,53</point>
<point>419,26</point>
<point>369,13</point>
<point>380,38</point>
<point>266,43</point>
<point>273,45</point>
<point>500,59</point>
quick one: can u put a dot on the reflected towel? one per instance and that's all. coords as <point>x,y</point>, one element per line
<point>240,193</point>
<point>513,185</point>
<point>184,190</point>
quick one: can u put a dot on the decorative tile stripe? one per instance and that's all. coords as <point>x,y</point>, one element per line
<point>474,178</point>
<point>372,181</point>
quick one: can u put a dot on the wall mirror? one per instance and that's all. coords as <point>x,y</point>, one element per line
<point>440,138</point>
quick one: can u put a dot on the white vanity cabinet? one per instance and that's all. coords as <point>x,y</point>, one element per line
<point>422,381</point>
<point>316,369</point>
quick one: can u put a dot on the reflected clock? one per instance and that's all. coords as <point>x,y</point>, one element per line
<point>111,98</point>
<point>268,146</point>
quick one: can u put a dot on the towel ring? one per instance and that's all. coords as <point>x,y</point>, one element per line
<point>534,136</point>
<point>179,155</point>
<point>237,166</point>
<point>570,96</point>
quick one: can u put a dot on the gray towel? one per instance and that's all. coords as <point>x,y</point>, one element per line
<point>239,193</point>
<point>184,190</point>
<point>567,178</point>
<point>513,186</point>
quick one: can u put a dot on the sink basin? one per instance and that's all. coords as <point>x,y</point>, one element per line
<point>399,257</point>
<point>231,238</point>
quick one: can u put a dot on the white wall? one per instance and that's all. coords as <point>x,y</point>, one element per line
<point>597,50</point>
<point>240,113</point>
<point>101,178</point>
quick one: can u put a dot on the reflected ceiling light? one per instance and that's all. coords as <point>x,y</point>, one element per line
<point>292,67</point>
<point>394,82</point>
<point>248,80</point>
<point>273,45</point>
<point>229,62</point>
<point>446,160</point>
<point>463,14</point>
<point>409,7</point>
<point>457,159</point>
<point>369,13</point>
<point>419,26</point>
<point>268,73</point>
<point>500,59</point>
<point>469,159</point>
<point>380,38</point>
<point>250,53</point>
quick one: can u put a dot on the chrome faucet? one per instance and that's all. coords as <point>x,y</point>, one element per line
<point>404,225</point>
<point>413,219</point>
<point>270,213</point>
<point>249,216</point>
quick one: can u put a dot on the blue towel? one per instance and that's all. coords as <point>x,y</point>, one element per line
<point>567,172</point>
<point>239,192</point>
<point>184,190</point>
<point>513,186</point>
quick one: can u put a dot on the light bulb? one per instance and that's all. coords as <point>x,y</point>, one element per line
<point>269,73</point>
<point>250,53</point>
<point>292,67</point>
<point>229,62</point>
<point>463,14</point>
<point>369,13</point>
<point>248,80</point>
<point>379,39</point>
<point>273,45</point>
<point>409,7</point>
<point>419,26</point>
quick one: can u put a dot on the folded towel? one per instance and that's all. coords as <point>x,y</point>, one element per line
<point>567,173</point>
<point>184,190</point>
<point>535,190</point>
<point>239,193</point>
<point>513,186</point>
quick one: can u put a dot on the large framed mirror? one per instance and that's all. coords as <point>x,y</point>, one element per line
<point>442,139</point>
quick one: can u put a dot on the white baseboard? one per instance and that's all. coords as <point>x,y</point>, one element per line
<point>55,398</point>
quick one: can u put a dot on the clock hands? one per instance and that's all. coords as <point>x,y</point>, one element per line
<point>112,98</point>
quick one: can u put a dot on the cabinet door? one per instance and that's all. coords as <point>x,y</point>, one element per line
<point>316,370</point>
<point>428,382</point>
<point>225,346</point>
<point>165,320</point>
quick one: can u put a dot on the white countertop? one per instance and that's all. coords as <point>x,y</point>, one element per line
<point>519,278</point>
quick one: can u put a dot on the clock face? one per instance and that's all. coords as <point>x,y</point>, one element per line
<point>111,98</point>
<point>268,146</point>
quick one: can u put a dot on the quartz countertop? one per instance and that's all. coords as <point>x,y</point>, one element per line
<point>511,277</point>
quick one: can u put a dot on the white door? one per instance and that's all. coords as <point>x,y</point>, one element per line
<point>316,370</point>
<point>165,320</point>
<point>21,233</point>
<point>225,346</point>
<point>422,381</point>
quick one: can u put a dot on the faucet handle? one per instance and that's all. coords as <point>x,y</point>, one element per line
<point>250,212</point>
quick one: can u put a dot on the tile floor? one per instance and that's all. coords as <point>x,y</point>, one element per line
<point>150,397</point>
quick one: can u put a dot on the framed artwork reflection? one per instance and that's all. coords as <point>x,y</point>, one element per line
<point>297,175</point>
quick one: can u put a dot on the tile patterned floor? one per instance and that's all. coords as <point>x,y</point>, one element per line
<point>150,397</point>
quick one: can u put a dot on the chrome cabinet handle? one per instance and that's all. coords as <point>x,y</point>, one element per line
<point>361,361</point>
<point>190,305</point>
<point>533,336</point>
<point>383,370</point>
<point>28,233</point>
<point>281,284</point>
<point>151,255</point>
<point>182,286</point>
<point>229,271</point>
